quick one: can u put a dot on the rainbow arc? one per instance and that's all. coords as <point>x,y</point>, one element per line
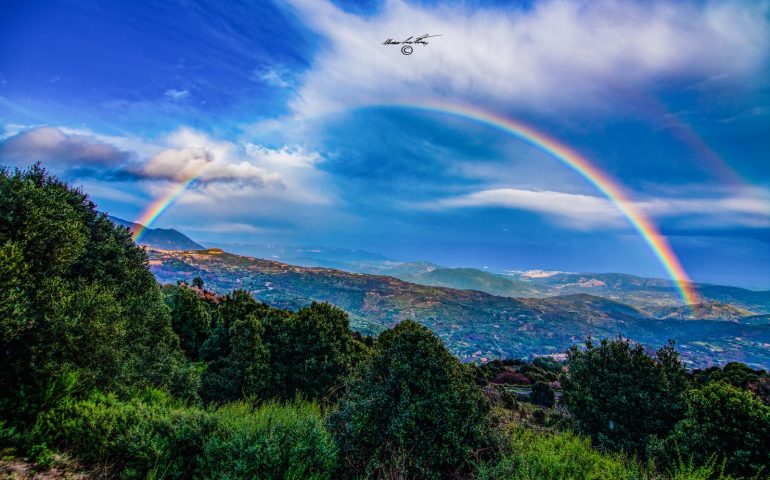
<point>603,182</point>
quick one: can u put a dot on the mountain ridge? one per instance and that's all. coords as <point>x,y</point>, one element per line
<point>160,238</point>
<point>474,325</point>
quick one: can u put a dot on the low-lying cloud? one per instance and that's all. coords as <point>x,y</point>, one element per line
<point>51,145</point>
<point>222,170</point>
<point>586,212</point>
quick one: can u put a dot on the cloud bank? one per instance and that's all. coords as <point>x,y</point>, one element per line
<point>549,57</point>
<point>587,212</point>
<point>230,176</point>
<point>52,145</point>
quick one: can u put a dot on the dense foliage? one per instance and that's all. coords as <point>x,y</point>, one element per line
<point>191,318</point>
<point>76,297</point>
<point>723,419</point>
<point>412,410</point>
<point>559,456</point>
<point>153,436</point>
<point>542,394</point>
<point>264,352</point>
<point>621,396</point>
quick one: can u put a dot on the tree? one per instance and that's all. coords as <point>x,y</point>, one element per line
<point>543,395</point>
<point>620,396</point>
<point>190,318</point>
<point>736,374</point>
<point>78,298</point>
<point>197,282</point>
<point>236,356</point>
<point>308,352</point>
<point>311,351</point>
<point>244,371</point>
<point>726,421</point>
<point>412,409</point>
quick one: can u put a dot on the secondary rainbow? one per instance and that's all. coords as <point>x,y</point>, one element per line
<point>603,182</point>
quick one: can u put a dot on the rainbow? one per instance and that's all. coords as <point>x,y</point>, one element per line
<point>601,181</point>
<point>160,205</point>
<point>718,165</point>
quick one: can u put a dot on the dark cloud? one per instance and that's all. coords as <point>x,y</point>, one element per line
<point>52,146</point>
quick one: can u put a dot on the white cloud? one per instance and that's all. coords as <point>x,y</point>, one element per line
<point>746,203</point>
<point>272,76</point>
<point>242,176</point>
<point>557,54</point>
<point>176,94</point>
<point>195,155</point>
<point>574,210</point>
<point>288,156</point>
<point>233,176</point>
<point>580,212</point>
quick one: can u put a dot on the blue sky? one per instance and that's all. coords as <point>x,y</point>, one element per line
<point>286,112</point>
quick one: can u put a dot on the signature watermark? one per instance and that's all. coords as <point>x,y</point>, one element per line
<point>407,46</point>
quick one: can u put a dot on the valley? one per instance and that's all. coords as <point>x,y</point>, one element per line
<point>478,326</point>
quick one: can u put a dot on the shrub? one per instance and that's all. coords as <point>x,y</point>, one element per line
<point>272,441</point>
<point>152,436</point>
<point>620,396</point>
<point>689,470</point>
<point>557,456</point>
<point>149,435</point>
<point>543,395</point>
<point>311,351</point>
<point>512,378</point>
<point>269,353</point>
<point>728,422</point>
<point>190,318</point>
<point>412,410</point>
<point>243,372</point>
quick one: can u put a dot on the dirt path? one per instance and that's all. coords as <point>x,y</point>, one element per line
<point>20,470</point>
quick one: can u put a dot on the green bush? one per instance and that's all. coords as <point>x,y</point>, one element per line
<point>728,422</point>
<point>621,396</point>
<point>311,351</point>
<point>190,318</point>
<point>543,395</point>
<point>267,353</point>
<point>411,411</point>
<point>557,456</point>
<point>146,436</point>
<point>690,470</point>
<point>153,436</point>
<point>272,441</point>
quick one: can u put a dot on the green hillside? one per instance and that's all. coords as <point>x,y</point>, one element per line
<point>472,279</point>
<point>473,324</point>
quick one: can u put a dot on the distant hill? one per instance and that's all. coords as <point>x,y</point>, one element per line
<point>647,293</point>
<point>472,279</point>
<point>703,311</point>
<point>473,324</point>
<point>160,238</point>
<point>315,256</point>
<point>398,269</point>
<point>650,294</point>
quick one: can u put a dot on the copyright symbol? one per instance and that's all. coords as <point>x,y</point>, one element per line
<point>407,49</point>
